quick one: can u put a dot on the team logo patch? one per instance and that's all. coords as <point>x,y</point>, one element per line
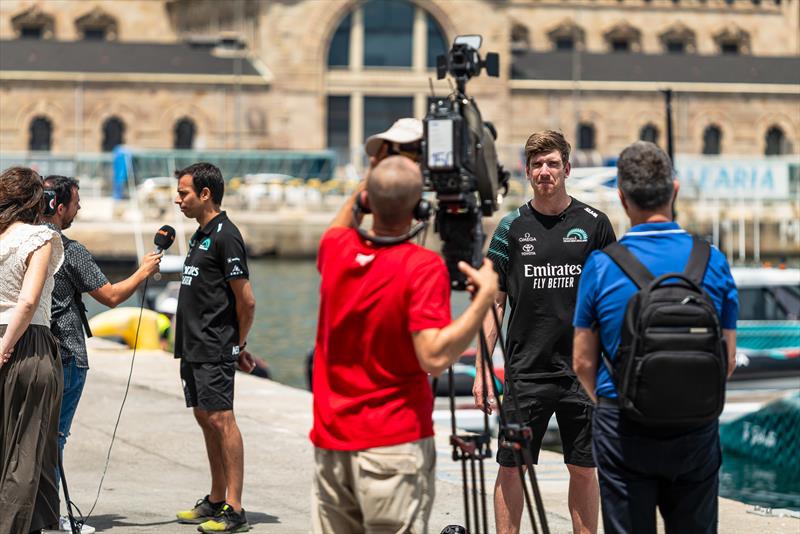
<point>527,238</point>
<point>528,250</point>
<point>205,243</point>
<point>363,259</point>
<point>576,235</point>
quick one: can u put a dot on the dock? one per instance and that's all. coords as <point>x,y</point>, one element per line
<point>158,463</point>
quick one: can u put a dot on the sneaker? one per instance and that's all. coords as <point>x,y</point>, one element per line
<point>226,520</point>
<point>203,510</point>
<point>64,526</point>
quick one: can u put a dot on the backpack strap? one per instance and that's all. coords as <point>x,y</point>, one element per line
<point>698,260</point>
<point>632,267</point>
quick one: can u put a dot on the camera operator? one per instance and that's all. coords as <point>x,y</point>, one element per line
<point>539,250</point>
<point>80,274</point>
<point>643,467</point>
<point>384,323</point>
<point>402,139</point>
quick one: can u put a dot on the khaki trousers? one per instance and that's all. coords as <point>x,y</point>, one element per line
<point>379,490</point>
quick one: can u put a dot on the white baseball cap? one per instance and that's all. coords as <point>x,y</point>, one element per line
<point>402,131</point>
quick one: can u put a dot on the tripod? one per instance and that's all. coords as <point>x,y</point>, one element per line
<point>474,448</point>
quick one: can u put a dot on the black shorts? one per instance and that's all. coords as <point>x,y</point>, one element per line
<point>538,399</point>
<point>208,386</point>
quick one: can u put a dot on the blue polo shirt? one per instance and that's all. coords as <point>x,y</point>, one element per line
<point>604,290</point>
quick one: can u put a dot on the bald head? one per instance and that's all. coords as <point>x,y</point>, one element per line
<point>394,187</point>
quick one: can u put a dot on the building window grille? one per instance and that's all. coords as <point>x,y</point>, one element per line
<point>712,140</point>
<point>41,134</point>
<point>649,132</point>
<point>586,136</point>
<point>184,134</point>
<point>776,142</point>
<point>113,134</point>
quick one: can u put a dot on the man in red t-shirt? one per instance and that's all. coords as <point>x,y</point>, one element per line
<point>384,324</point>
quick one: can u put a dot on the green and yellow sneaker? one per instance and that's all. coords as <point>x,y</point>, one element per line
<point>226,520</point>
<point>203,510</point>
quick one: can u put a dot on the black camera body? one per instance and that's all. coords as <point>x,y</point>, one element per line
<point>460,161</point>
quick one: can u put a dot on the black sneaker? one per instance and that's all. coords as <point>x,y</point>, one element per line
<point>226,520</point>
<point>203,511</point>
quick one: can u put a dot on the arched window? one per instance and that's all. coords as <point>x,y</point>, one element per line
<point>41,134</point>
<point>649,132</point>
<point>400,35</point>
<point>586,136</point>
<point>623,37</point>
<point>339,51</point>
<point>776,142</point>
<point>678,39</point>
<point>33,23</point>
<point>388,32</point>
<point>712,140</point>
<point>520,37</point>
<point>437,44</point>
<point>97,25</point>
<point>567,35</point>
<point>113,134</point>
<point>184,134</point>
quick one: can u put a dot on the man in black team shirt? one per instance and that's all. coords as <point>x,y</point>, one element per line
<point>538,251</point>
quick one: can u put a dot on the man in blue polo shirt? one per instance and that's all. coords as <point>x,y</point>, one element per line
<point>642,468</point>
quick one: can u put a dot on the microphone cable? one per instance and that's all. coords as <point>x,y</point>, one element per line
<point>83,520</point>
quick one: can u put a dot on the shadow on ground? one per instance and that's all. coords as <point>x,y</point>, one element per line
<point>110,521</point>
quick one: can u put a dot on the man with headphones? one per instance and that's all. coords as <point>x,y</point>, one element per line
<point>80,274</point>
<point>384,324</point>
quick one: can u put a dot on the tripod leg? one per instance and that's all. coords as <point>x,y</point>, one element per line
<point>537,495</point>
<point>74,527</point>
<point>475,505</point>
<point>466,491</point>
<point>483,496</point>
<point>518,459</point>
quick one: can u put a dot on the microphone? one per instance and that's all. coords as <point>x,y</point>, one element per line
<point>164,238</point>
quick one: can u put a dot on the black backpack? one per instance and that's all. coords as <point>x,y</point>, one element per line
<point>672,361</point>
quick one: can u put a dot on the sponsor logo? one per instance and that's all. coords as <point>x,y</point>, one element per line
<point>236,271</point>
<point>205,243</point>
<point>235,350</point>
<point>552,276</point>
<point>219,227</point>
<point>527,250</point>
<point>363,259</point>
<point>527,238</point>
<point>590,211</point>
<point>231,260</point>
<point>576,235</point>
<point>189,272</point>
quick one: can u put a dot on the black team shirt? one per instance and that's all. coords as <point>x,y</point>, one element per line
<point>206,327</point>
<point>539,259</point>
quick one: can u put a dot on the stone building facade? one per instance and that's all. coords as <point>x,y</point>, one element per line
<point>312,74</point>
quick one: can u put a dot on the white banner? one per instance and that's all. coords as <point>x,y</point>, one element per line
<point>751,179</point>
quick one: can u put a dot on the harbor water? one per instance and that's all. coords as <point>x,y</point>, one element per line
<point>287,295</point>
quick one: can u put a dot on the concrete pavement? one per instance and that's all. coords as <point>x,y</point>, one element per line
<point>158,462</point>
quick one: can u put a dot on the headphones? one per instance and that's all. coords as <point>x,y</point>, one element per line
<point>50,205</point>
<point>422,212</point>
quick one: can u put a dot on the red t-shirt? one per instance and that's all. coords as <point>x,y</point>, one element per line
<point>369,390</point>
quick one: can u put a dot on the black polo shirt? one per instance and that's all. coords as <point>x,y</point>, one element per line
<point>539,259</point>
<point>206,327</point>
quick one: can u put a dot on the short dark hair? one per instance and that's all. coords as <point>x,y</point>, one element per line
<point>62,187</point>
<point>205,175</point>
<point>544,143</point>
<point>644,175</point>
